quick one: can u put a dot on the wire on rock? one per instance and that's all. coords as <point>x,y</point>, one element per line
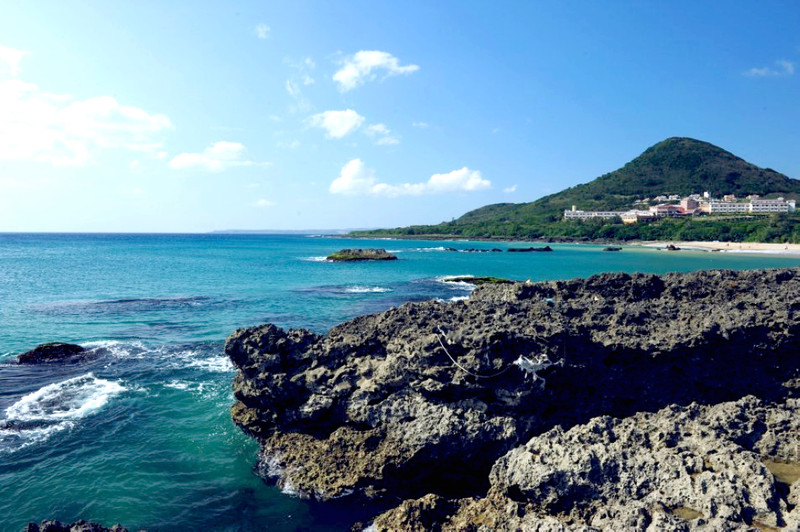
<point>462,368</point>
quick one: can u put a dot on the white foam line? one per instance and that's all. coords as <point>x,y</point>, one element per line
<point>70,399</point>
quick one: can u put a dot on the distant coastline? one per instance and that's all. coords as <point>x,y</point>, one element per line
<point>731,247</point>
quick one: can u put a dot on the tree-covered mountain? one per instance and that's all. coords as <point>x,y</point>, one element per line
<point>674,166</point>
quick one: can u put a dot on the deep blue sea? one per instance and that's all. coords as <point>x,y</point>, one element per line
<point>140,433</point>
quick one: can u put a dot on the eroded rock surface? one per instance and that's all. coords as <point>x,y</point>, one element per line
<point>732,466</point>
<point>425,398</point>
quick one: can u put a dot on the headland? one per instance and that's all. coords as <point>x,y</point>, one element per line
<point>613,402</point>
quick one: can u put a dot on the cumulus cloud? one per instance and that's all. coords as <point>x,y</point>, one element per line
<point>511,189</point>
<point>337,124</point>
<point>781,68</point>
<point>216,158</point>
<point>10,59</point>
<point>64,131</point>
<point>262,31</point>
<point>356,179</point>
<point>364,65</point>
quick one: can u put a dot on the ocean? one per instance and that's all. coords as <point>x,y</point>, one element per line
<point>139,432</point>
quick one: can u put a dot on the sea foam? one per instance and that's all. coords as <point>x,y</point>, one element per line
<point>366,290</point>
<point>66,400</point>
<point>35,417</point>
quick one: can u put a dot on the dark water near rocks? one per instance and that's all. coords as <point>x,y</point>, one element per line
<point>140,431</point>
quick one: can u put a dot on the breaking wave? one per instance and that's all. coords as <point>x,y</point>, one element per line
<point>53,408</point>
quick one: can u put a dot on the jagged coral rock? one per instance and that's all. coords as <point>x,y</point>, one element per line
<point>424,398</point>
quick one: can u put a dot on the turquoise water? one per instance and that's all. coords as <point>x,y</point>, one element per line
<point>140,433</point>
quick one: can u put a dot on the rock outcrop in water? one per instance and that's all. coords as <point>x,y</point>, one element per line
<point>358,254</point>
<point>425,402</point>
<point>78,526</point>
<point>52,352</point>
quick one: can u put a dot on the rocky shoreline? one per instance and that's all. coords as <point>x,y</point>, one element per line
<point>615,402</point>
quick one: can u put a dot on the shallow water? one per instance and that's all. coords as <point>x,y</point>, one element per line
<point>140,432</point>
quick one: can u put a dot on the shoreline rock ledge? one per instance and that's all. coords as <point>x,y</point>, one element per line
<point>616,402</point>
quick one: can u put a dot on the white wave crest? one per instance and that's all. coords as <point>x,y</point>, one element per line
<point>456,285</point>
<point>216,364</point>
<point>366,289</point>
<point>315,259</point>
<point>459,298</point>
<point>11,440</point>
<point>67,400</point>
<point>428,250</point>
<point>198,387</point>
<point>118,349</point>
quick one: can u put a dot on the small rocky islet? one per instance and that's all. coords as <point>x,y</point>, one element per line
<point>358,254</point>
<point>616,402</point>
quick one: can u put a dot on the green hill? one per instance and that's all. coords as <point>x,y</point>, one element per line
<point>674,166</point>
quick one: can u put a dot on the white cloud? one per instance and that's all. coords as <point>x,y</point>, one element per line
<point>383,134</point>
<point>262,31</point>
<point>10,59</point>
<point>356,179</point>
<point>63,131</point>
<point>511,189</point>
<point>782,68</point>
<point>361,67</point>
<point>293,89</point>
<point>421,125</point>
<point>387,141</point>
<point>377,129</point>
<point>300,77</point>
<point>337,124</point>
<point>264,203</point>
<point>216,158</point>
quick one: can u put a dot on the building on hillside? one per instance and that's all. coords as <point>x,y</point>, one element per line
<point>778,205</point>
<point>635,216</point>
<point>575,214</point>
<point>724,207</point>
<point>690,204</point>
<point>665,209</point>
<point>730,198</point>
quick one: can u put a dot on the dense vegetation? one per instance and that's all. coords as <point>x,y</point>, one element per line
<point>767,228</point>
<point>675,166</point>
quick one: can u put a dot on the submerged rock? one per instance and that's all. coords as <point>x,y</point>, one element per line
<point>428,398</point>
<point>52,352</point>
<point>78,526</point>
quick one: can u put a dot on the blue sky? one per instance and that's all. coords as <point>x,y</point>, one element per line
<point>196,116</point>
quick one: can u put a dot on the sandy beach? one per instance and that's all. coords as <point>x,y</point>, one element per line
<point>733,247</point>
